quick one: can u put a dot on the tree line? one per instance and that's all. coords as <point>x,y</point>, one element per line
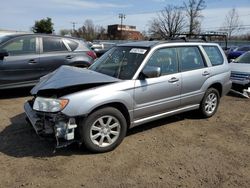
<point>168,23</point>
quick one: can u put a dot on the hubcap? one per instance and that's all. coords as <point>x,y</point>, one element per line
<point>211,103</point>
<point>105,131</point>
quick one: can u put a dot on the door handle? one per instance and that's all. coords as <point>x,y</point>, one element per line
<point>173,80</point>
<point>205,73</point>
<point>69,57</point>
<point>32,61</point>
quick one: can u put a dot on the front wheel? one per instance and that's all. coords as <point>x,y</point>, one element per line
<point>103,130</point>
<point>209,103</point>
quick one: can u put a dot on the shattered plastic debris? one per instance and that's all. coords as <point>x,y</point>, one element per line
<point>244,93</point>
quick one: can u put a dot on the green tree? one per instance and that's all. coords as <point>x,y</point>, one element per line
<point>43,26</point>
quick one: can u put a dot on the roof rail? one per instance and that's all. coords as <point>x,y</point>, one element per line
<point>185,39</point>
<point>202,37</point>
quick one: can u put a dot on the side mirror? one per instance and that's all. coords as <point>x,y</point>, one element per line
<point>151,72</point>
<point>3,53</point>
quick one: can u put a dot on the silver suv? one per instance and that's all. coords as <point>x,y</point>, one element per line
<point>131,84</point>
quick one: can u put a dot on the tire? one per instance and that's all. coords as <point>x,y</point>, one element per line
<point>103,130</point>
<point>209,103</point>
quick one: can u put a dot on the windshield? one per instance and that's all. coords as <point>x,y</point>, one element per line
<point>3,38</point>
<point>120,62</point>
<point>244,48</point>
<point>245,58</point>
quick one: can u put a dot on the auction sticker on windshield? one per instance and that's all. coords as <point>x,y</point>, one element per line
<point>138,51</point>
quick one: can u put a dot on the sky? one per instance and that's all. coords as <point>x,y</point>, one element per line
<point>20,15</point>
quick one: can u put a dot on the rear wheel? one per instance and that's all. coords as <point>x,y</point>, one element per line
<point>103,130</point>
<point>209,103</point>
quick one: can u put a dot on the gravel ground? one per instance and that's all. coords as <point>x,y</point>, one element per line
<point>180,151</point>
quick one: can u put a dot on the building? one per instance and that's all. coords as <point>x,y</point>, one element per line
<point>6,32</point>
<point>125,32</point>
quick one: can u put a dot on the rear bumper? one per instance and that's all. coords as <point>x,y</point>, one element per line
<point>227,87</point>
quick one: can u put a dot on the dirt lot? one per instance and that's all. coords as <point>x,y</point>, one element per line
<point>180,151</point>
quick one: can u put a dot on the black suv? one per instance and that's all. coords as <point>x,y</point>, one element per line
<point>24,58</point>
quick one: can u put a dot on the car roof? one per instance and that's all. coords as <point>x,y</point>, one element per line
<point>146,44</point>
<point>14,35</point>
<point>150,44</point>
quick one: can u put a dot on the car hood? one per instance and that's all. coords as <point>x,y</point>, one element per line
<point>240,67</point>
<point>67,76</point>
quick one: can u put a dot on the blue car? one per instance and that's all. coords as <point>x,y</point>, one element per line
<point>237,52</point>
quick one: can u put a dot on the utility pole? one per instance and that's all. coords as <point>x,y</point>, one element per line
<point>122,16</point>
<point>74,25</point>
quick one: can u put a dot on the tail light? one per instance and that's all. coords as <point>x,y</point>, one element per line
<point>92,54</point>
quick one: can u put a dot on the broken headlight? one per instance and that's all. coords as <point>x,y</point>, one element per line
<point>49,104</point>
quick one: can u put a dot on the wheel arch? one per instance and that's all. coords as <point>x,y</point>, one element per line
<point>80,64</point>
<point>217,86</point>
<point>119,106</point>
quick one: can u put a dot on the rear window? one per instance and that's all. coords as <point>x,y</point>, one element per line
<point>214,55</point>
<point>244,48</point>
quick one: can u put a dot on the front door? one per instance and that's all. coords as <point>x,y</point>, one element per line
<point>194,74</point>
<point>22,64</point>
<point>155,96</point>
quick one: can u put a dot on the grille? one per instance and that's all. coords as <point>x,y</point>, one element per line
<point>240,76</point>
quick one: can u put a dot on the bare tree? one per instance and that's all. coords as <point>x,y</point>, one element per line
<point>101,33</point>
<point>193,10</point>
<point>154,29</point>
<point>89,31</point>
<point>169,22</point>
<point>232,23</point>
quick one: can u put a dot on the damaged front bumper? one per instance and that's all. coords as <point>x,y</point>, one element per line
<point>54,125</point>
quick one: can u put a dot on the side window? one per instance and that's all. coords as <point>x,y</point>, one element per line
<point>51,44</point>
<point>190,58</point>
<point>166,59</point>
<point>72,44</point>
<point>214,55</point>
<point>21,46</point>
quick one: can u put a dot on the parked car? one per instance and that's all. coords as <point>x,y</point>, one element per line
<point>240,74</point>
<point>24,58</point>
<point>130,85</point>
<point>233,54</point>
<point>101,47</point>
<point>229,49</point>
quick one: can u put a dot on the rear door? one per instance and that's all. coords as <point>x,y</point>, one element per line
<point>54,53</point>
<point>195,72</point>
<point>22,64</point>
<point>154,96</point>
